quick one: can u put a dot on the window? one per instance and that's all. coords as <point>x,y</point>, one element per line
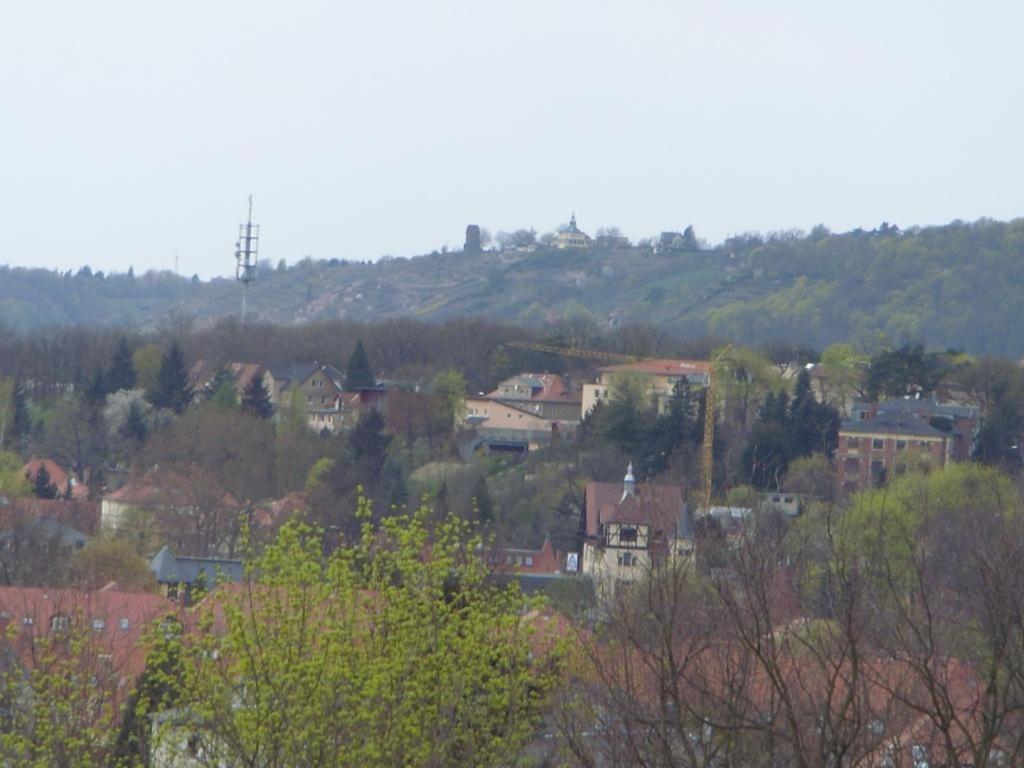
<point>627,559</point>
<point>627,535</point>
<point>877,443</point>
<point>877,467</point>
<point>28,621</point>
<point>60,623</point>
<point>901,444</point>
<point>124,624</point>
<point>529,559</point>
<point>98,624</point>
<point>852,442</point>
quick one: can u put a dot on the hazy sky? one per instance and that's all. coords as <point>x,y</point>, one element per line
<point>132,130</point>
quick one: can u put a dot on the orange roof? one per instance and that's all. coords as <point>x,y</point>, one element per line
<point>116,621</point>
<point>552,389</point>
<point>160,487</point>
<point>661,367</point>
<point>58,477</point>
<point>203,372</point>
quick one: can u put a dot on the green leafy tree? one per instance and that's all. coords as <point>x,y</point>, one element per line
<point>450,392</point>
<point>12,480</point>
<point>62,709</point>
<point>221,391</point>
<point>172,389</point>
<point>359,375</point>
<point>395,651</point>
<point>256,399</point>
<point>122,368</point>
<point>146,360</point>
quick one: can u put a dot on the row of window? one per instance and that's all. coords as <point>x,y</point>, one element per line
<point>878,443</point>
<point>62,623</point>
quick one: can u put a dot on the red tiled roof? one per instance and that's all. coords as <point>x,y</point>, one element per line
<point>656,505</point>
<point>160,487</point>
<point>203,372</point>
<point>542,561</point>
<point>661,367</point>
<point>116,624</point>
<point>58,477</point>
<point>554,389</point>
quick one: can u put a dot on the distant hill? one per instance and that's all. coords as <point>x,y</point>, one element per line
<point>954,286</point>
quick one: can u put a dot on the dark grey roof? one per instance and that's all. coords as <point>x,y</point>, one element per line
<point>292,371</point>
<point>169,569</point>
<point>46,528</point>
<point>902,422</point>
<point>920,406</point>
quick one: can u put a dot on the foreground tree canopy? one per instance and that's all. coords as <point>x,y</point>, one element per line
<point>396,651</point>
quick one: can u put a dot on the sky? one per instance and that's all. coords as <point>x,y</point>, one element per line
<point>133,131</point>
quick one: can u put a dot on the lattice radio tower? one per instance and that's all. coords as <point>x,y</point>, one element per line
<point>245,255</point>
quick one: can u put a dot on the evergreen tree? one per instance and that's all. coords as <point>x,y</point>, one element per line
<point>122,369</point>
<point>42,487</point>
<point>359,375</point>
<point>256,399</point>
<point>172,388</point>
<point>135,427</point>
<point>96,392</point>
<point>22,423</point>
<point>369,443</point>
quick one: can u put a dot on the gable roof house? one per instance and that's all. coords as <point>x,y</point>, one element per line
<point>60,479</point>
<point>523,412</point>
<point>659,376</point>
<point>110,624</point>
<point>628,530</point>
<point>181,576</point>
<point>203,374</point>
<point>195,511</point>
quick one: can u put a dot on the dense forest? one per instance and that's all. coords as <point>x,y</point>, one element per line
<point>950,287</point>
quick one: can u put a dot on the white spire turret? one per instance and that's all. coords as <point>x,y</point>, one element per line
<point>628,482</point>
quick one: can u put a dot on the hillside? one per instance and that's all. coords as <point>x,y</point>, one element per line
<point>951,286</point>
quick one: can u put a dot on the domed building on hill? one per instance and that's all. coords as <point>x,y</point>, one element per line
<point>572,237</point>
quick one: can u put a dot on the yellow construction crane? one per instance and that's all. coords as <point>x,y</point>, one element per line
<point>708,454</point>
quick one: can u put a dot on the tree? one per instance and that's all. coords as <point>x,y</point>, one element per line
<point>63,681</point>
<point>450,392</point>
<point>146,360</point>
<point>395,651</point>
<point>22,420</point>
<point>256,399</point>
<point>135,427</point>
<point>220,392</point>
<point>690,241</point>
<point>96,392</point>
<point>482,500</point>
<point>359,375</point>
<point>172,389</point>
<point>42,488</point>
<point>122,368</point>
<point>213,468</point>
<point>105,560</point>
<point>13,482</point>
